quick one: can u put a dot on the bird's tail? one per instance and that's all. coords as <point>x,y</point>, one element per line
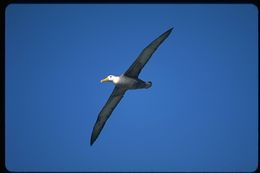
<point>148,84</point>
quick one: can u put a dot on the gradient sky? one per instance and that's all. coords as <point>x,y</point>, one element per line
<point>201,114</point>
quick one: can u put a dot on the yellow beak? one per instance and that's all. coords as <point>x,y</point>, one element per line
<point>104,80</point>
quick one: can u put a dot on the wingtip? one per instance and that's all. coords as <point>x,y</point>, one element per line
<point>92,140</point>
<point>170,30</point>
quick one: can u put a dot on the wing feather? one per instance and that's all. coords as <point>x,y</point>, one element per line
<point>135,69</point>
<point>106,111</point>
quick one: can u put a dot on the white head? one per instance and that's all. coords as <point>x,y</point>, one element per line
<point>111,78</point>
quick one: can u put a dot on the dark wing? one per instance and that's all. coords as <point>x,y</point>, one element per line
<point>145,55</point>
<point>106,111</point>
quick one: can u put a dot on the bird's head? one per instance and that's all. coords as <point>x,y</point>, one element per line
<point>110,78</point>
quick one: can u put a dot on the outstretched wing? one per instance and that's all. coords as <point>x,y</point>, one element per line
<point>106,111</point>
<point>145,55</point>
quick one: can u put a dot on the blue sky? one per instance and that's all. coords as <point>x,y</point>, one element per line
<point>201,114</point>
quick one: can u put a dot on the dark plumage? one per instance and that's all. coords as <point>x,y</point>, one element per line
<point>128,80</point>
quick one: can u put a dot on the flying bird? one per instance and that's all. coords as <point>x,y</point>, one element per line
<point>124,82</point>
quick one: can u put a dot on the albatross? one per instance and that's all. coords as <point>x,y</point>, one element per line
<point>126,81</point>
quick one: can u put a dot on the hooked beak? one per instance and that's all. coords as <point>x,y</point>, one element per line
<point>104,80</point>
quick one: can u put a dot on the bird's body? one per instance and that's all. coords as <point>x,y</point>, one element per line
<point>127,81</point>
<point>132,83</point>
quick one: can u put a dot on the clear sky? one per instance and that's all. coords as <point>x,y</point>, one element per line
<point>201,114</point>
